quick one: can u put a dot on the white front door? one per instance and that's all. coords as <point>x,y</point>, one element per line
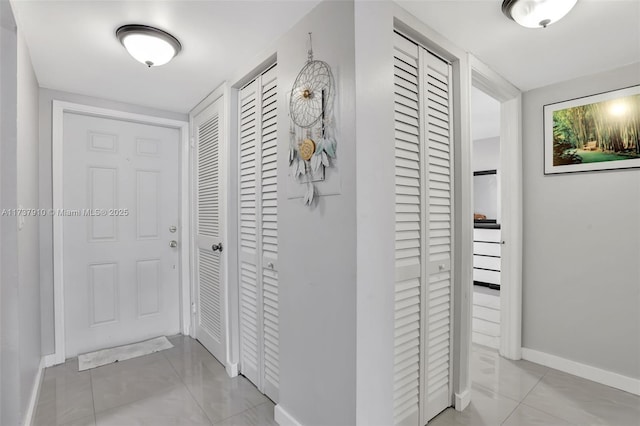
<point>120,192</point>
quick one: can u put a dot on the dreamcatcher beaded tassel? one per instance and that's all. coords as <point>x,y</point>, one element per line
<point>312,142</point>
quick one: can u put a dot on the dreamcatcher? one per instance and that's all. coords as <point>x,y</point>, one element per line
<point>312,142</point>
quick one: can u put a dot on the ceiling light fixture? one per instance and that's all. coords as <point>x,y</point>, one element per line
<point>536,13</point>
<point>149,45</point>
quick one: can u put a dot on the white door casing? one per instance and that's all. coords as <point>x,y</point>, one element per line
<point>209,286</point>
<point>511,206</point>
<point>123,282</point>
<point>258,233</point>
<point>424,234</point>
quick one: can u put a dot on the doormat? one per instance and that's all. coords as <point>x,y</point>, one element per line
<point>120,353</point>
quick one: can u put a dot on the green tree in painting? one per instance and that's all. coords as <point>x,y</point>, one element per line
<point>603,131</point>
<point>564,140</point>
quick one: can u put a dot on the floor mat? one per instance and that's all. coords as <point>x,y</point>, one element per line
<point>108,356</point>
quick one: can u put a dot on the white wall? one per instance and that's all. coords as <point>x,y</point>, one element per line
<point>9,344</point>
<point>317,246</point>
<point>486,196</point>
<point>581,272</point>
<point>20,293</point>
<point>28,238</point>
<point>375,211</point>
<point>486,154</point>
<point>46,192</point>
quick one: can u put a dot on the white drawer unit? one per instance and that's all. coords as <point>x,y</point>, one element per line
<point>486,235</point>
<point>486,257</point>
<point>486,291</point>
<point>486,317</point>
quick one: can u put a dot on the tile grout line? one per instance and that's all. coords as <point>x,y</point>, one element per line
<point>536,408</point>
<point>242,412</point>
<point>511,413</point>
<point>187,388</point>
<point>524,397</point>
<point>533,387</point>
<point>130,402</point>
<point>93,399</point>
<point>203,410</point>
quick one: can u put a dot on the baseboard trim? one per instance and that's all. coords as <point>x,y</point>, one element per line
<point>283,418</point>
<point>35,394</point>
<point>615,380</point>
<point>50,360</point>
<point>463,400</point>
<point>232,369</point>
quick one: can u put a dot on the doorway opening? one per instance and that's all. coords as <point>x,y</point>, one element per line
<point>508,184</point>
<point>485,134</point>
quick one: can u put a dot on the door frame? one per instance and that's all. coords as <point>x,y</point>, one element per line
<point>59,109</point>
<point>510,98</point>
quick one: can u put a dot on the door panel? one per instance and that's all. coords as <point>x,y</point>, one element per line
<point>438,202</point>
<point>210,292</point>
<point>120,275</point>
<point>259,317</point>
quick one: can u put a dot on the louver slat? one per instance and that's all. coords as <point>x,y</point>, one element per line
<point>208,184</point>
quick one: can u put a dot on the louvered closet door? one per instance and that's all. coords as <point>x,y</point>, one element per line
<point>423,235</point>
<point>269,233</point>
<point>438,204</point>
<point>210,316</point>
<point>259,333</point>
<point>250,348</point>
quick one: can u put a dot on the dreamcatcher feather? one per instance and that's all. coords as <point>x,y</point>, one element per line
<point>312,144</point>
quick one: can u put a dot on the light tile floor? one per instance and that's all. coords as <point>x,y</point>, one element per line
<point>185,385</point>
<point>520,393</point>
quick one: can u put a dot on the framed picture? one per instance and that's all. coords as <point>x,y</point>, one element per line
<point>599,132</point>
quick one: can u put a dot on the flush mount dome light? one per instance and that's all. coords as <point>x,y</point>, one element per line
<point>149,45</point>
<point>536,13</point>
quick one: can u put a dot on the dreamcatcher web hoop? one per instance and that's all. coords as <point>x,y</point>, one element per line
<point>311,92</point>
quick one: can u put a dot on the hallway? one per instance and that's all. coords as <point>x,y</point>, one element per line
<point>183,385</point>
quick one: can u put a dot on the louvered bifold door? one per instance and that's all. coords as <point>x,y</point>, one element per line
<point>422,368</point>
<point>250,327</point>
<point>408,234</point>
<point>438,298</point>
<point>259,331</point>
<point>210,316</point>
<point>269,232</point>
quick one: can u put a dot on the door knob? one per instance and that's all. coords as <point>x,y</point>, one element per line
<point>173,244</point>
<point>217,247</point>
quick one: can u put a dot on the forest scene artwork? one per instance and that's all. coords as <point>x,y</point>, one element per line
<point>599,132</point>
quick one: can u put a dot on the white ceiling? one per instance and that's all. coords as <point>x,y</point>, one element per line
<point>597,35</point>
<point>73,47</point>
<point>485,115</point>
